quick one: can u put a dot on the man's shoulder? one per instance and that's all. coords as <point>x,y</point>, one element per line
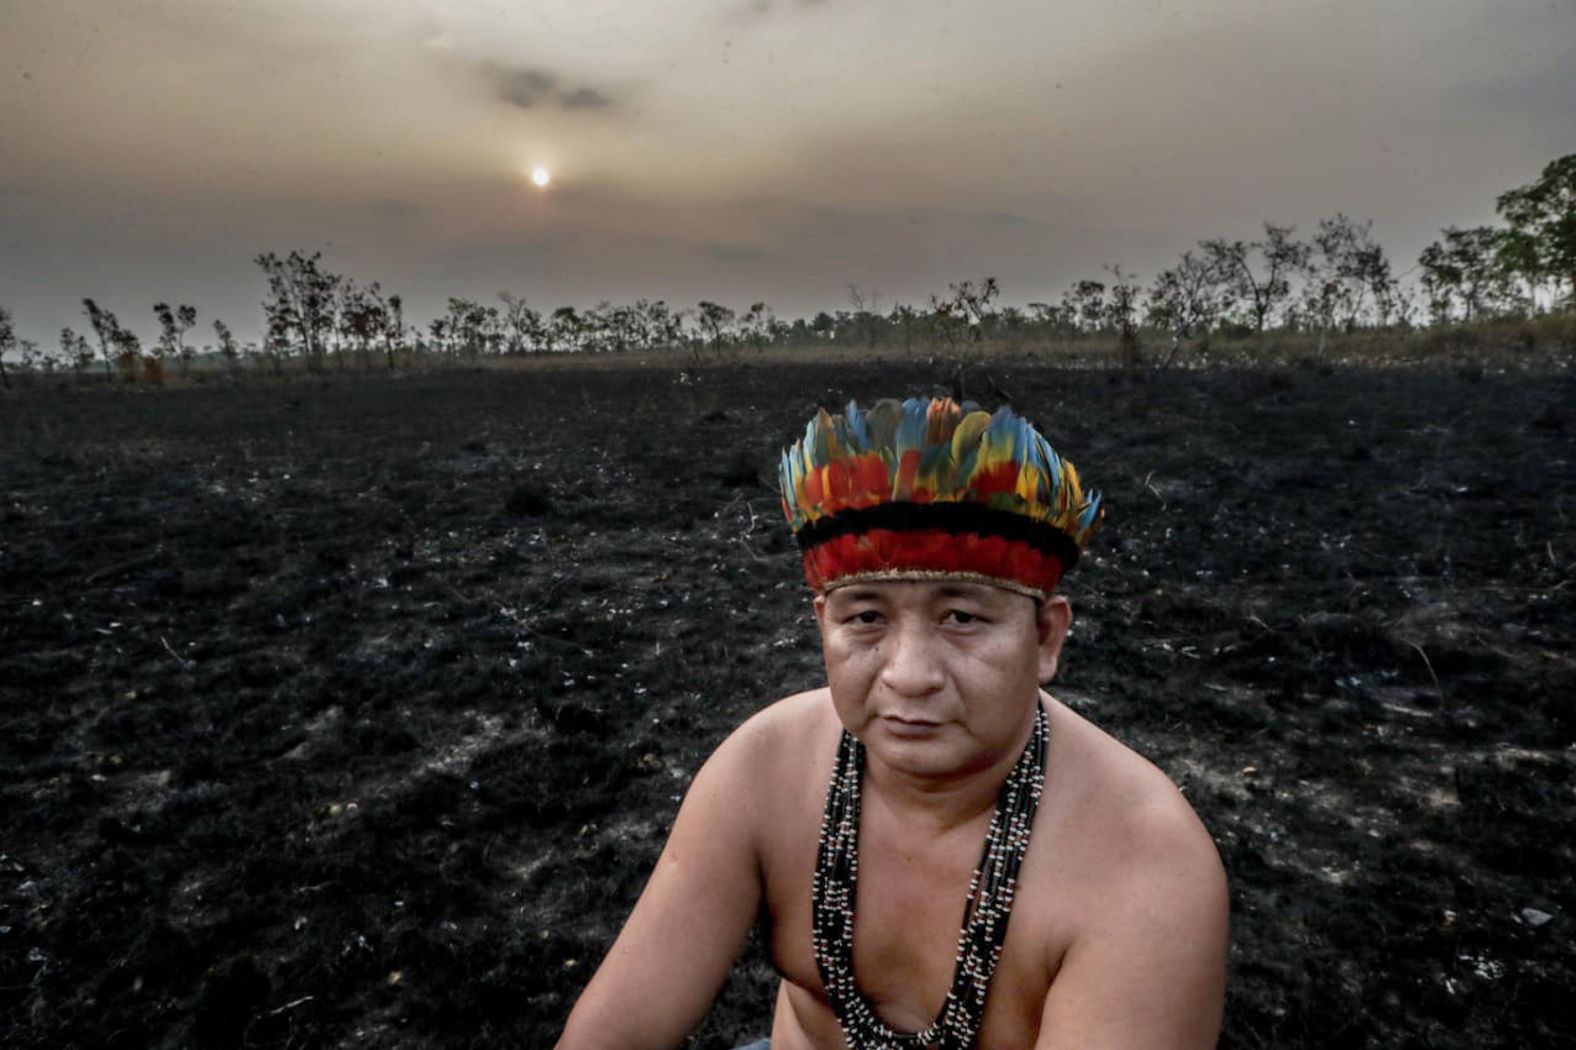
<point>785,740</point>
<point>795,713</point>
<point>1144,899</point>
<point>1136,822</point>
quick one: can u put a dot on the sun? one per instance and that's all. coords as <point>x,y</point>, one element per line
<point>541,177</point>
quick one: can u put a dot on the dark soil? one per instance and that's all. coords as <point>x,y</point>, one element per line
<point>354,713</point>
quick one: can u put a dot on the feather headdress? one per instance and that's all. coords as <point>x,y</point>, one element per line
<point>930,490</point>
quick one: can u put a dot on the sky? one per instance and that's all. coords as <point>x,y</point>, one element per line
<point>737,150</point>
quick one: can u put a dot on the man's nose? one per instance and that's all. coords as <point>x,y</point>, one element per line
<point>912,667</point>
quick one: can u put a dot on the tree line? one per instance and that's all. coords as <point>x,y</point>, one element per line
<point>1339,279</point>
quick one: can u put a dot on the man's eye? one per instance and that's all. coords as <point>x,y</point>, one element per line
<point>867,616</point>
<point>959,616</point>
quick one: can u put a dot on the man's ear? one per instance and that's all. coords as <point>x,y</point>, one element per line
<point>1052,620</point>
<point>820,611</point>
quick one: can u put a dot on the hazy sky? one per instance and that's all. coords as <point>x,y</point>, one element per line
<point>737,149</point>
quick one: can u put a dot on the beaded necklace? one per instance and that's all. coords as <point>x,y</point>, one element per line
<point>985,911</point>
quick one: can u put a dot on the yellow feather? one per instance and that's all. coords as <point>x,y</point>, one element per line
<point>1071,487</point>
<point>1030,481</point>
<point>967,436</point>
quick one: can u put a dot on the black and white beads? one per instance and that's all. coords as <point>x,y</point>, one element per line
<point>985,911</point>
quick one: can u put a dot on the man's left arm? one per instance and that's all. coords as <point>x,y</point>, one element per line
<point>1149,973</point>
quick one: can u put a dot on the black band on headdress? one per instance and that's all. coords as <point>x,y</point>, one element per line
<point>954,518</point>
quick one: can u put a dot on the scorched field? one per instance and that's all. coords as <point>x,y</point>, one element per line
<point>353,713</point>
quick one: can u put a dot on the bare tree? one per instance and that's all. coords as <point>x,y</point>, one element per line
<point>973,303</point>
<point>1122,315</point>
<point>1187,300</point>
<point>653,325</point>
<point>1083,305</point>
<point>120,346</point>
<point>173,326</point>
<point>1349,277</point>
<point>565,328</point>
<point>76,350</point>
<point>664,327</point>
<point>128,354</point>
<point>946,322</point>
<point>1465,269</point>
<point>621,328</point>
<point>441,329</point>
<point>227,347</point>
<point>716,324</point>
<point>472,327</point>
<point>360,320</point>
<point>301,303</point>
<point>756,324</point>
<point>7,343</point>
<point>32,359</point>
<point>1052,320</point>
<point>596,328</point>
<point>105,329</point>
<point>905,319</point>
<point>865,320</point>
<point>522,325</point>
<point>1260,285</point>
<point>390,312</point>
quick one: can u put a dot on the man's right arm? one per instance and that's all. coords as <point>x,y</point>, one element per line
<point>677,947</point>
<point>1150,971</point>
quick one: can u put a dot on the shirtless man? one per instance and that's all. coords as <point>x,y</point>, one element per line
<point>932,738</point>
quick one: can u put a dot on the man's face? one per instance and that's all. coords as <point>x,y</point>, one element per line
<point>937,677</point>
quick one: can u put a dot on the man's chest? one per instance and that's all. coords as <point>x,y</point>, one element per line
<point>910,906</point>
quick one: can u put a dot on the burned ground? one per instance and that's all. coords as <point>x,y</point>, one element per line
<point>354,713</point>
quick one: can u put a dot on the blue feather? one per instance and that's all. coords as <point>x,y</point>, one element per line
<point>1002,434</point>
<point>814,447</point>
<point>911,429</point>
<point>858,432</point>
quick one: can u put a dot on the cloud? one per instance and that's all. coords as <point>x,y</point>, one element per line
<point>1003,218</point>
<point>730,253</point>
<point>584,98</point>
<point>750,11</point>
<point>524,87</point>
<point>528,87</point>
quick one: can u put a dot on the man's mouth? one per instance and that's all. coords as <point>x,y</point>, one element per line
<point>900,726</point>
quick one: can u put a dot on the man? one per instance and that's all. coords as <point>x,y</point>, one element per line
<point>932,771</point>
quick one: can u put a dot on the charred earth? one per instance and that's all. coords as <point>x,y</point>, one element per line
<point>354,713</point>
